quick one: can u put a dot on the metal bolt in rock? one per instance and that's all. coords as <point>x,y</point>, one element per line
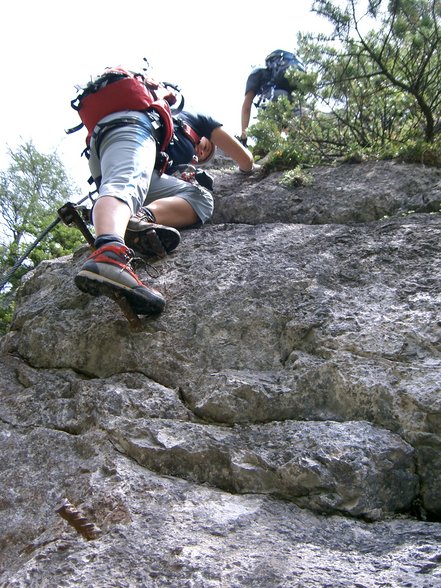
<point>68,512</point>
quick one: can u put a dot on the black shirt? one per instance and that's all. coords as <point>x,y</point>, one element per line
<point>260,78</point>
<point>181,150</point>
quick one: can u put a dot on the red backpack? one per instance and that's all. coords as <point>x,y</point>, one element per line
<point>118,89</point>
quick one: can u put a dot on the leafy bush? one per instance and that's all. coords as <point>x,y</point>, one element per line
<point>373,94</point>
<point>421,152</point>
<point>296,177</point>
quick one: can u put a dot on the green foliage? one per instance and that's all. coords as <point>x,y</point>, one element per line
<point>421,152</point>
<point>269,130</point>
<point>296,177</point>
<point>31,190</point>
<point>284,158</point>
<point>372,88</point>
<point>7,307</point>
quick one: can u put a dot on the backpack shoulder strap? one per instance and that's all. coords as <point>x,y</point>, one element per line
<point>188,131</point>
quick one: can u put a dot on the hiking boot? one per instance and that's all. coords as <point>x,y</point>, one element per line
<point>107,272</point>
<point>149,239</point>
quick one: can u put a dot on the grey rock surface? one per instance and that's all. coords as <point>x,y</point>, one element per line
<point>279,425</point>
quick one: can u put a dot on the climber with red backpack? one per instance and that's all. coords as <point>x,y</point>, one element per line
<point>131,142</point>
<point>128,120</point>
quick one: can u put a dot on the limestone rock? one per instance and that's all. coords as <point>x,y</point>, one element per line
<point>278,425</point>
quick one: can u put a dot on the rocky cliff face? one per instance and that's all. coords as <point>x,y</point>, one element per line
<point>279,425</point>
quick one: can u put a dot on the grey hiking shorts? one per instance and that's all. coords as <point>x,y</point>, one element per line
<point>126,158</point>
<point>165,186</point>
<point>125,164</point>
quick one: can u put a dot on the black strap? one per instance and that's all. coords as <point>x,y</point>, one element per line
<point>74,129</point>
<point>102,128</point>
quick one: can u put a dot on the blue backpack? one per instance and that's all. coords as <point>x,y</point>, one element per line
<point>277,63</point>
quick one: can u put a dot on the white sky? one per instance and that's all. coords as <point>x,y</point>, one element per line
<point>206,47</point>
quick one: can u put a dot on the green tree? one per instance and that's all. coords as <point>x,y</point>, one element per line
<point>373,86</point>
<point>400,54</point>
<point>32,189</point>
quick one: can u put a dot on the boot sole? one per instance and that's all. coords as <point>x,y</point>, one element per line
<point>95,285</point>
<point>157,242</point>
